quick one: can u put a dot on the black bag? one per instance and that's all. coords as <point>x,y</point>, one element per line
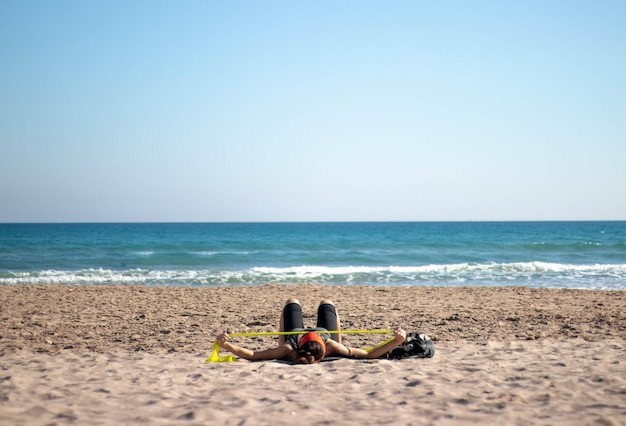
<point>415,346</point>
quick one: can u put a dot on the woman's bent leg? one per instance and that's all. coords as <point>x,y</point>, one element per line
<point>290,318</point>
<point>327,318</point>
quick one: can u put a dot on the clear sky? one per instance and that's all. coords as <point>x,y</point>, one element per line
<point>312,111</point>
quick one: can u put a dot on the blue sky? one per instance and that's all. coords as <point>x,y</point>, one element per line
<point>312,111</point>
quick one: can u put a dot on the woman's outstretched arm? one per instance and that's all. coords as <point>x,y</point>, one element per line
<point>279,352</point>
<point>377,352</point>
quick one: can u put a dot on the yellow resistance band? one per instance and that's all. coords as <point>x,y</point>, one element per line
<point>287,333</point>
<point>215,356</point>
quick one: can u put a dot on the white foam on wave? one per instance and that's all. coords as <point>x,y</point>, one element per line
<point>205,253</point>
<point>219,253</point>
<point>318,270</point>
<point>459,274</point>
<point>539,274</point>
<point>450,268</point>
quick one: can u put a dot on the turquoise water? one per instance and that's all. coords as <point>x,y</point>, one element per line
<point>589,255</point>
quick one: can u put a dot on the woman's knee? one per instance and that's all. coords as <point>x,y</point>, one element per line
<point>292,300</point>
<point>327,302</point>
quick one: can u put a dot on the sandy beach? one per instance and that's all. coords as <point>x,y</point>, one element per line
<point>135,355</point>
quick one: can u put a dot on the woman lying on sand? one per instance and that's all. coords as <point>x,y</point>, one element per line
<point>314,345</point>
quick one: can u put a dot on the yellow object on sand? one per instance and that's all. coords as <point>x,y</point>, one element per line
<point>215,356</point>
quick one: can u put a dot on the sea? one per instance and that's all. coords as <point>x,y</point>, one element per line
<point>573,255</point>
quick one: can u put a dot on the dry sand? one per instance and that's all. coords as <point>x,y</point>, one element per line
<point>134,355</point>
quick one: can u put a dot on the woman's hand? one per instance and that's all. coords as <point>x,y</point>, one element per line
<point>222,339</point>
<point>399,335</point>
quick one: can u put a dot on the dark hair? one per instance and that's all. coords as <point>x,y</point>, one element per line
<point>313,349</point>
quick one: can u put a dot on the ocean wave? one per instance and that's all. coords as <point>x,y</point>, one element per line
<point>205,253</point>
<point>533,274</point>
<point>202,253</point>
